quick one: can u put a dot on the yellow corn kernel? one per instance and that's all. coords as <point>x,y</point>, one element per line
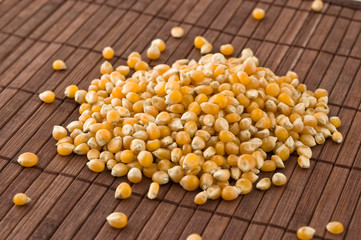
<point>160,177</point>
<point>134,175</point>
<point>190,182</point>
<point>153,52</point>
<point>279,179</point>
<point>244,185</point>
<point>103,136</point>
<point>226,49</point>
<point>117,220</point>
<point>96,165</point>
<point>191,161</point>
<point>176,174</point>
<point>141,65</point>
<point>334,227</point>
<point>65,148</point>
<point>337,137</point>
<point>81,149</point>
<point>47,96</point>
<point>177,32</point>
<point>206,48</point>
<point>21,199</point>
<point>159,43</point>
<point>304,161</point>
<point>59,65</point>
<point>70,91</point>
<point>258,13</point>
<point>194,236</point>
<point>305,233</point>
<point>230,193</point>
<point>123,191</point>
<point>108,53</point>
<point>153,190</point>
<point>59,132</point>
<point>106,68</point>
<point>119,170</point>
<point>124,70</point>
<point>246,162</point>
<point>317,5</point>
<point>335,121</point>
<point>199,41</point>
<point>201,198</point>
<point>263,184</point>
<point>222,175</point>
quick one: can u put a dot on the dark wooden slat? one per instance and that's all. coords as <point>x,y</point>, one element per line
<point>318,69</point>
<point>196,224</point>
<point>227,12</point>
<point>353,97</point>
<point>215,227</point>
<point>235,229</point>
<point>272,233</point>
<point>254,231</point>
<point>240,16</point>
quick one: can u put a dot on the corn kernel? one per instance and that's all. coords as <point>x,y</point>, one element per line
<point>226,49</point>
<point>96,165</point>
<point>21,199</point>
<point>117,220</point>
<point>123,191</point>
<point>305,233</point>
<point>194,236</point>
<point>317,5</point>
<point>108,53</point>
<point>153,190</point>
<point>258,13</point>
<point>279,179</point>
<point>334,227</point>
<point>263,184</point>
<point>177,32</point>
<point>59,65</point>
<point>47,96</point>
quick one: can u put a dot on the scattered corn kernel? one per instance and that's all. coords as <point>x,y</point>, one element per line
<point>123,191</point>
<point>153,52</point>
<point>305,233</point>
<point>226,49</point>
<point>21,199</point>
<point>317,5</point>
<point>279,179</point>
<point>194,236</point>
<point>334,227</point>
<point>159,43</point>
<point>258,13</point>
<point>96,165</point>
<point>108,53</point>
<point>28,159</point>
<point>177,32</point>
<point>263,184</point>
<point>117,220</point>
<point>47,96</point>
<point>70,91</point>
<point>59,65</point>
<point>153,190</point>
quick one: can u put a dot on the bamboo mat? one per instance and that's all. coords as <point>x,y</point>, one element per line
<point>70,202</point>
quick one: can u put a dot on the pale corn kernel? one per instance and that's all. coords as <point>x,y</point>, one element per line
<point>47,96</point>
<point>123,191</point>
<point>334,227</point>
<point>96,165</point>
<point>117,220</point>
<point>59,65</point>
<point>161,177</point>
<point>258,13</point>
<point>317,5</point>
<point>304,161</point>
<point>201,198</point>
<point>335,121</point>
<point>134,175</point>
<point>226,49</point>
<point>65,148</point>
<point>70,91</point>
<point>263,184</point>
<point>21,199</point>
<point>159,43</point>
<point>119,170</point>
<point>279,179</point>
<point>108,53</point>
<point>337,137</point>
<point>153,190</point>
<point>194,236</point>
<point>305,233</point>
<point>206,48</point>
<point>153,52</point>
<point>106,68</point>
<point>177,32</point>
<point>110,164</point>
<point>244,185</point>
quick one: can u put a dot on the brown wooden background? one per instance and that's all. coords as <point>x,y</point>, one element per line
<point>70,202</point>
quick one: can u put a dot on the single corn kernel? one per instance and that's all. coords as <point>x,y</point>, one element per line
<point>194,236</point>
<point>159,43</point>
<point>153,52</point>
<point>337,137</point>
<point>96,165</point>
<point>59,132</point>
<point>106,68</point>
<point>134,175</point>
<point>117,220</point>
<point>226,49</point>
<point>263,184</point>
<point>190,182</point>
<point>258,13</point>
<point>153,190</point>
<point>108,53</point>
<point>244,185</point>
<point>334,227</point>
<point>201,198</point>
<point>65,148</point>
<point>206,48</point>
<point>230,193</point>
<point>305,233</point>
<point>279,179</point>
<point>199,41</point>
<point>304,161</point>
<point>317,5</point>
<point>335,121</point>
<point>70,91</point>
<point>47,96</point>
<point>123,191</point>
<point>59,65</point>
<point>177,32</point>
<point>21,199</point>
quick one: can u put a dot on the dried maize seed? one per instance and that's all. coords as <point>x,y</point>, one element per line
<point>305,233</point>
<point>153,190</point>
<point>317,5</point>
<point>335,121</point>
<point>258,13</point>
<point>108,53</point>
<point>21,199</point>
<point>199,41</point>
<point>337,137</point>
<point>159,43</point>
<point>263,184</point>
<point>134,175</point>
<point>201,198</point>
<point>47,96</point>
<point>119,170</point>
<point>96,165</point>
<point>117,220</point>
<point>194,236</point>
<point>279,179</point>
<point>70,91</point>
<point>65,148</point>
<point>226,49</point>
<point>153,52</point>
<point>189,182</point>
<point>123,191</point>
<point>334,227</point>
<point>244,185</point>
<point>161,177</point>
<point>59,65</point>
<point>230,193</point>
<point>304,161</point>
<point>206,48</point>
<point>176,174</point>
<point>177,32</point>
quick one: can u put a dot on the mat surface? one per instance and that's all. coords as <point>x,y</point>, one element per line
<point>71,202</point>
